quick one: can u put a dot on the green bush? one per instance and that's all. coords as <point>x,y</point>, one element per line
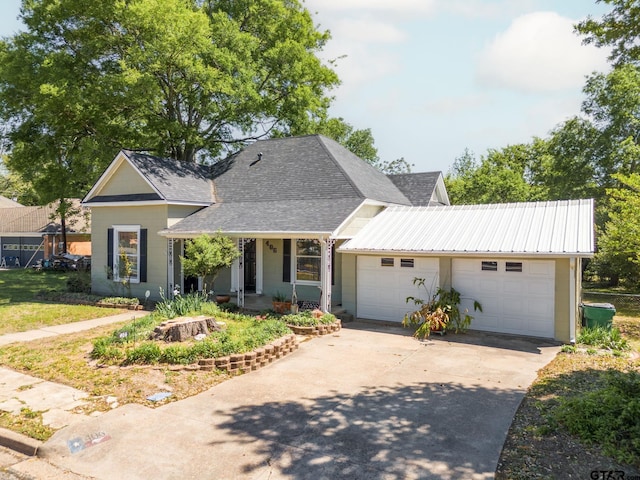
<point>121,300</point>
<point>181,305</point>
<point>103,349</point>
<point>602,337</point>
<point>145,353</point>
<point>609,416</point>
<point>79,282</point>
<point>306,319</point>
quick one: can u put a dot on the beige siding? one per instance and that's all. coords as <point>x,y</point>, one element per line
<point>349,279</point>
<point>153,218</point>
<point>359,220</point>
<point>562,300</point>
<point>445,272</point>
<point>179,212</point>
<point>124,181</point>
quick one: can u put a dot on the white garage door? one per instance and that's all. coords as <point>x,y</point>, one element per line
<point>517,296</point>
<point>384,283</point>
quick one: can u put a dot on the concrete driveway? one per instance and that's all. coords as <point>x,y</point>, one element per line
<point>366,403</point>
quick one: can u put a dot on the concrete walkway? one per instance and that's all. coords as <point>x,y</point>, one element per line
<point>365,403</point>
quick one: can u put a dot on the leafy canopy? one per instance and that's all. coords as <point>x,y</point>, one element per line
<point>206,255</point>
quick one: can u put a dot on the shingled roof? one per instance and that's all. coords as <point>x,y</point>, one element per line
<point>417,187</point>
<point>296,168</point>
<point>173,180</point>
<point>8,203</point>
<point>294,184</point>
<point>40,219</point>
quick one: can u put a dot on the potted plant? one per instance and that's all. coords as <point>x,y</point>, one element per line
<point>280,303</point>
<point>441,312</point>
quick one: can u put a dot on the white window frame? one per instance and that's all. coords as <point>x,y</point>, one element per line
<point>117,229</point>
<point>294,263</point>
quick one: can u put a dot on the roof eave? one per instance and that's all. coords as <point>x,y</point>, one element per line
<point>371,251</point>
<point>245,234</point>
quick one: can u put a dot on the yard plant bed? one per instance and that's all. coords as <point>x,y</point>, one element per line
<point>579,390</point>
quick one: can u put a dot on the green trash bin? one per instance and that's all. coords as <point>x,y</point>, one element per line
<point>598,314</point>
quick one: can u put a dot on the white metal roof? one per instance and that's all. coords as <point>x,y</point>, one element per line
<point>542,228</point>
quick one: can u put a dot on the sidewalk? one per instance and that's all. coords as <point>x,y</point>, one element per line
<point>18,391</point>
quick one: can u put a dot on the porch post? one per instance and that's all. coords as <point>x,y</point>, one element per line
<point>325,273</point>
<point>241,273</point>
<point>170,266</point>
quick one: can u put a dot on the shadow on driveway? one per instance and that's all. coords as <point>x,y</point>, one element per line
<point>423,430</point>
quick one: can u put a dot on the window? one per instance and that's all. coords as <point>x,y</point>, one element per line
<point>126,253</point>
<point>406,262</point>
<point>308,260</point>
<point>490,266</point>
<point>513,267</point>
<point>386,262</point>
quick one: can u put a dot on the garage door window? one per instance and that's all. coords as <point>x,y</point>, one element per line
<point>490,266</point>
<point>386,262</point>
<point>406,262</point>
<point>513,267</point>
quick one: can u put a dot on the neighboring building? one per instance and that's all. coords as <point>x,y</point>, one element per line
<point>300,209</point>
<point>29,234</point>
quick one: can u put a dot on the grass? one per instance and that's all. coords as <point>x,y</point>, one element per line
<point>583,411</point>
<point>20,311</point>
<point>119,361</point>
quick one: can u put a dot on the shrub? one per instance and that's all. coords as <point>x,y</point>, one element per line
<point>603,337</point>
<point>182,305</point>
<point>307,319</point>
<point>609,416</point>
<point>103,349</point>
<point>121,300</point>
<point>79,282</point>
<point>146,353</point>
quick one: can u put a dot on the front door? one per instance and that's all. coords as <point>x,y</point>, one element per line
<point>250,266</point>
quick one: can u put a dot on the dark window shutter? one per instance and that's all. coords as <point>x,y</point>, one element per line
<point>109,253</point>
<point>286,260</point>
<point>143,254</point>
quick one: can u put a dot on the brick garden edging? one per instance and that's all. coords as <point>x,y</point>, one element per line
<point>317,330</point>
<point>246,362</point>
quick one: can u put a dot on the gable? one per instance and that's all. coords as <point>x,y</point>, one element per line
<point>126,180</point>
<point>422,189</point>
<point>137,178</point>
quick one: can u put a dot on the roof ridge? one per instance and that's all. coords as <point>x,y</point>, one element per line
<point>321,139</point>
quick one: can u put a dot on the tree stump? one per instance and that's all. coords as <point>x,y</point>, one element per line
<point>183,328</point>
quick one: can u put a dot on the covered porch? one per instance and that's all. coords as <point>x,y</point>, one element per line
<point>267,267</point>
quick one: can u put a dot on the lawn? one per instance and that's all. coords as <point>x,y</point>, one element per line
<point>582,414</point>
<point>21,311</point>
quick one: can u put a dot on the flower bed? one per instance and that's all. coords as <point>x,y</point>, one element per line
<point>249,361</point>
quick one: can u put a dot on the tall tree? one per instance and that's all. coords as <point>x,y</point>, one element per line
<point>189,79</point>
<point>503,175</point>
<point>619,243</point>
<point>618,29</point>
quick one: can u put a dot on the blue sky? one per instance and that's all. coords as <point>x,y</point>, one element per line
<point>433,77</point>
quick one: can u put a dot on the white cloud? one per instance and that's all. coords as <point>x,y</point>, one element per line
<point>538,53</point>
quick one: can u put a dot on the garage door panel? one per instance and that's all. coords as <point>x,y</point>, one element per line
<point>382,290</point>
<point>518,302</point>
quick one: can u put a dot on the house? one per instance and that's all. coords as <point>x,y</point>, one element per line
<point>299,209</point>
<point>29,234</point>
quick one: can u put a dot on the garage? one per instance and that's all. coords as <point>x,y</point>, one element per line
<point>521,261</point>
<point>384,283</point>
<point>517,296</point>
